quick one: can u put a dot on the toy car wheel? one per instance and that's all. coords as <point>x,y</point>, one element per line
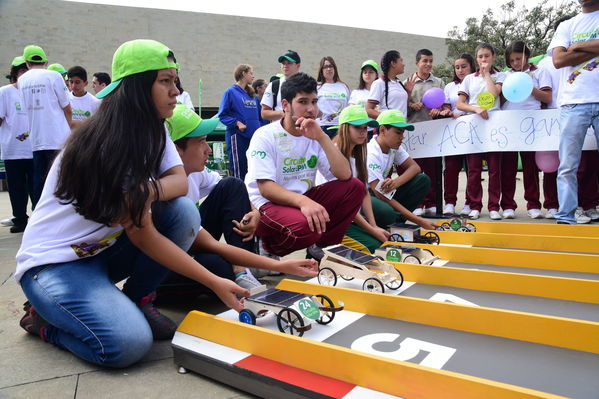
<point>327,276</point>
<point>289,320</point>
<point>346,278</point>
<point>395,237</point>
<point>395,284</point>
<point>373,284</point>
<point>432,237</point>
<point>446,226</point>
<point>411,259</point>
<point>325,317</point>
<point>464,229</point>
<point>471,227</point>
<point>428,251</point>
<point>247,316</point>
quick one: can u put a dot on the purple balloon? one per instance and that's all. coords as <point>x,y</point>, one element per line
<point>433,98</point>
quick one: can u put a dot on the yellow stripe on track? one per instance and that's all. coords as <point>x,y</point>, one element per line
<point>538,229</point>
<point>547,330</point>
<point>386,375</point>
<point>568,289</point>
<point>571,262</point>
<point>521,241</point>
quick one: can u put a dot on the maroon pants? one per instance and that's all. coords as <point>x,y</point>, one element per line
<point>530,177</point>
<point>588,195</point>
<point>503,167</point>
<point>453,166</point>
<point>284,229</point>
<point>429,167</point>
<point>550,190</point>
<point>474,188</point>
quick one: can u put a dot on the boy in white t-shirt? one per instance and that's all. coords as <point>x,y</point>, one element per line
<point>83,104</point>
<point>272,107</point>
<point>283,158</point>
<point>575,50</point>
<point>46,100</point>
<point>224,208</point>
<point>15,147</point>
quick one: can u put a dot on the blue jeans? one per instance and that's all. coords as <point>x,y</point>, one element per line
<point>92,318</point>
<point>575,120</point>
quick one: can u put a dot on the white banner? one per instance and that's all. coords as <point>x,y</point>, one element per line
<point>531,130</point>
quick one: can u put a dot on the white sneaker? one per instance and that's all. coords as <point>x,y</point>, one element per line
<point>550,214</point>
<point>474,214</point>
<point>494,215</point>
<point>592,213</point>
<point>417,212</point>
<point>7,222</point>
<point>466,210</point>
<point>432,211</point>
<point>449,210</point>
<point>533,213</point>
<point>247,280</point>
<point>582,218</point>
<point>509,214</point>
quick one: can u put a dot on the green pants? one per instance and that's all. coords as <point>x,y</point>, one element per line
<point>409,195</point>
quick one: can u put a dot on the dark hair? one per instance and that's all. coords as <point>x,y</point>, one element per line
<point>517,46</point>
<point>470,60</point>
<point>422,52</point>
<point>108,161</point>
<point>182,143</point>
<point>361,83</point>
<point>77,72</point>
<point>386,61</point>
<point>178,84</point>
<point>299,82</point>
<point>320,79</point>
<point>14,72</point>
<point>238,74</point>
<point>103,78</point>
<point>257,83</point>
<point>486,46</point>
<point>37,62</point>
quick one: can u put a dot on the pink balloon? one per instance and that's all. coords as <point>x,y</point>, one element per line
<point>433,98</point>
<point>547,161</point>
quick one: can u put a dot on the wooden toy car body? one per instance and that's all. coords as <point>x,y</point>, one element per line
<point>296,312</point>
<point>348,263</point>
<point>405,253</point>
<point>458,224</point>
<point>411,233</point>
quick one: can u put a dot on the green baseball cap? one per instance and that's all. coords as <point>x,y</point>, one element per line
<point>58,68</point>
<point>395,118</point>
<point>355,115</point>
<point>137,56</point>
<point>33,53</point>
<point>290,55</point>
<point>277,76</point>
<point>370,63</point>
<point>18,61</point>
<point>186,123</point>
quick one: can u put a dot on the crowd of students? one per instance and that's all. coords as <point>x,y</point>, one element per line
<point>125,195</point>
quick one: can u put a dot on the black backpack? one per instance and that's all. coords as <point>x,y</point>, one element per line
<point>275,92</point>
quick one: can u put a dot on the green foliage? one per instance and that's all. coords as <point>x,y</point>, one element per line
<point>534,26</point>
<point>443,71</point>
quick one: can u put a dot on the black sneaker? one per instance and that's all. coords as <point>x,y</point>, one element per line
<point>162,327</point>
<point>33,323</point>
<point>18,228</point>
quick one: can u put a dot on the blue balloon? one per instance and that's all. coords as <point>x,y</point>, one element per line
<point>517,87</point>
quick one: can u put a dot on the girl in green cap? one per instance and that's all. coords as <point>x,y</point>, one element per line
<point>113,208</point>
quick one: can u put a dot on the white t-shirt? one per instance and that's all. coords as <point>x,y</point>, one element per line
<point>332,98</point>
<point>56,233</point>
<point>44,97</point>
<point>14,131</point>
<point>185,99</point>
<point>288,160</point>
<point>83,107</point>
<point>267,98</point>
<point>474,84</point>
<point>359,97</point>
<point>540,80</point>
<point>580,83</point>
<point>379,163</point>
<point>546,64</point>
<point>397,96</point>
<point>451,96</point>
<point>321,180</point>
<point>201,184</point>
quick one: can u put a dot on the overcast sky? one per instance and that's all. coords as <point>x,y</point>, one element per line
<point>431,18</point>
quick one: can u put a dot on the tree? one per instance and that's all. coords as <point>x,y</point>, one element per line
<point>534,26</point>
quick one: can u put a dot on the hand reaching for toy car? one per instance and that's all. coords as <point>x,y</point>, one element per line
<point>228,292</point>
<point>299,267</point>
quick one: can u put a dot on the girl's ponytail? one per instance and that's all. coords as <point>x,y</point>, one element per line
<point>238,75</point>
<point>386,61</point>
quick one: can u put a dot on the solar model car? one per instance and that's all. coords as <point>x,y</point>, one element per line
<point>406,254</point>
<point>458,224</point>
<point>411,233</point>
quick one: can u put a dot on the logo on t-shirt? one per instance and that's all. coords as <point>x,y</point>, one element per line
<point>312,161</point>
<point>374,166</point>
<point>18,106</point>
<point>22,136</point>
<point>259,154</point>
